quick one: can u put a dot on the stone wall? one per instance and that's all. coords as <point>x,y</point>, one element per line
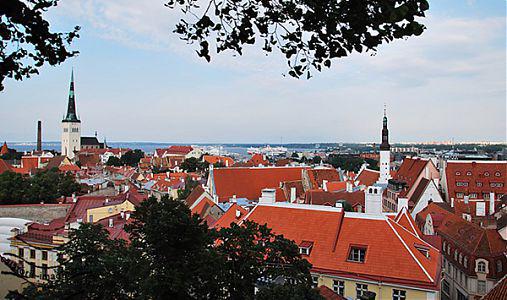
<point>42,213</point>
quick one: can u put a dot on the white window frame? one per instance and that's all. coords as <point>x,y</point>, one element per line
<point>399,294</point>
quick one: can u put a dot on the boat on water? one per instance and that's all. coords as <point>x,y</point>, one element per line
<point>268,150</point>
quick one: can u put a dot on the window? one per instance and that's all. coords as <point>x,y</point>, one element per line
<point>32,270</point>
<point>486,174</point>
<point>479,184</point>
<point>481,286</point>
<point>469,173</point>
<point>90,219</point>
<point>499,266</point>
<point>361,289</point>
<point>32,253</point>
<point>456,255</point>
<point>485,195</point>
<point>458,173</point>
<point>21,252</point>
<point>305,247</point>
<point>65,130</point>
<point>446,288</point>
<point>44,255</point>
<point>498,174</point>
<point>459,195</point>
<point>339,287</point>
<point>357,254</point>
<point>304,251</point>
<point>481,267</point>
<point>44,271</point>
<point>399,294</point>
<point>423,249</point>
<point>315,281</point>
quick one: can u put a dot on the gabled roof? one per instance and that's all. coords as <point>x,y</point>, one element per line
<point>405,219</point>
<point>4,166</point>
<point>410,169</point>
<point>478,175</point>
<point>468,236</point>
<point>197,193</point>
<point>317,176</point>
<point>320,197</point>
<point>367,177</point>
<point>418,192</point>
<point>336,186</point>
<point>288,185</point>
<point>329,294</point>
<point>391,250</point>
<point>499,291</point>
<point>4,149</point>
<point>234,214</point>
<point>213,159</point>
<point>249,182</point>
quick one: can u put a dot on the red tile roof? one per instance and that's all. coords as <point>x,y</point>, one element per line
<point>329,294</point>
<point>249,182</point>
<point>478,176</point>
<point>405,219</point>
<point>317,176</point>
<point>202,207</point>
<point>391,253</point>
<point>410,170</point>
<point>213,159</point>
<point>174,150</point>
<point>499,291</point>
<point>231,216</point>
<point>4,149</point>
<point>194,195</point>
<point>335,186</point>
<point>367,177</point>
<point>42,233</point>
<point>288,185</point>
<point>258,160</point>
<point>320,197</point>
<point>4,166</point>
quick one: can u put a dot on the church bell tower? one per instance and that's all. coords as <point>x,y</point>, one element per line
<point>385,153</point>
<point>71,126</point>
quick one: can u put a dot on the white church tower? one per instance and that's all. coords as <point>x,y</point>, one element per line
<point>385,154</point>
<point>71,126</point>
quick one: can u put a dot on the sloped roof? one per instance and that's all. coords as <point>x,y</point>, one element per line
<point>194,195</point>
<point>499,291</point>
<point>213,159</point>
<point>320,197</point>
<point>4,166</point>
<point>418,192</point>
<point>405,219</point>
<point>335,186</point>
<point>367,177</point>
<point>410,169</point>
<point>230,216</point>
<point>391,252</point>
<point>329,294</point>
<point>473,173</point>
<point>288,185</point>
<point>249,182</point>
<point>317,176</point>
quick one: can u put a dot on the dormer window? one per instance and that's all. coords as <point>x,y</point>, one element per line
<point>481,266</point>
<point>305,247</point>
<point>498,174</point>
<point>486,174</point>
<point>479,184</point>
<point>469,173</point>
<point>423,249</point>
<point>458,173</point>
<point>357,254</point>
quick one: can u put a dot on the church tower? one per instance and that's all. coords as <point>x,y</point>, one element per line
<point>385,153</point>
<point>71,126</point>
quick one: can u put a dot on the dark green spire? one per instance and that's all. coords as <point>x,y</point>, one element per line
<point>71,107</point>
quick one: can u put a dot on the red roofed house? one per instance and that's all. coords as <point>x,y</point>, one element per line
<point>474,187</point>
<point>318,177</point>
<point>4,150</point>
<point>176,150</point>
<point>4,166</point>
<point>355,253</point>
<point>215,159</point>
<point>473,257</point>
<point>409,179</point>
<point>228,183</point>
<point>234,214</point>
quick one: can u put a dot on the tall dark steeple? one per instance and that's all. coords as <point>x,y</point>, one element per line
<point>385,134</point>
<point>71,107</point>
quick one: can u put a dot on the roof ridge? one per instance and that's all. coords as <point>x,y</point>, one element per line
<point>409,251</point>
<point>416,236</point>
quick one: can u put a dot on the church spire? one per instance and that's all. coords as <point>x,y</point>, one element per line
<point>71,107</point>
<point>385,133</point>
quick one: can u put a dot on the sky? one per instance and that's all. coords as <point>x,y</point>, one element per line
<point>136,81</point>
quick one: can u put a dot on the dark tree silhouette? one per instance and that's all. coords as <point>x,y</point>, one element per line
<point>27,42</point>
<point>309,33</point>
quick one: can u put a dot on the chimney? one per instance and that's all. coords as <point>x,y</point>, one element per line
<point>491,203</point>
<point>292,194</point>
<point>324,185</point>
<point>238,213</point>
<point>268,196</point>
<point>402,203</point>
<point>348,187</point>
<point>373,200</point>
<point>339,205</point>
<point>465,199</point>
<point>110,222</point>
<point>74,198</point>
<point>452,202</point>
<point>127,216</point>
<point>39,135</point>
<point>107,200</point>
<point>122,214</point>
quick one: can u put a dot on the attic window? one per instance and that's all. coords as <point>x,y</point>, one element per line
<point>469,173</point>
<point>486,174</point>
<point>458,173</point>
<point>305,247</point>
<point>498,174</point>
<point>357,254</point>
<point>423,249</point>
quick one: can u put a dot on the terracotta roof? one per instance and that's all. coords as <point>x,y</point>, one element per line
<point>478,176</point>
<point>468,236</point>
<point>329,294</point>
<point>69,168</point>
<point>194,195</point>
<point>88,160</point>
<point>4,149</point>
<point>499,291</point>
<point>202,207</point>
<point>42,233</point>
<point>405,219</point>
<point>410,169</point>
<point>117,231</point>
<point>367,177</point>
<point>258,160</point>
<point>249,182</point>
<point>231,216</point>
<point>55,162</point>
<point>288,185</point>
<point>213,159</point>
<point>4,166</point>
<point>174,150</point>
<point>320,197</point>
<point>418,192</point>
<point>335,186</point>
<point>391,253</point>
<point>317,176</point>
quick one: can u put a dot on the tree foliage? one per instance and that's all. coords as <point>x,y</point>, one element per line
<point>130,158</point>
<point>190,184</point>
<point>345,162</point>
<point>309,33</point>
<point>193,164</point>
<point>173,255</point>
<point>27,41</point>
<point>45,186</point>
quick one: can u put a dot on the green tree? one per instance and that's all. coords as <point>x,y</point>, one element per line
<point>345,162</point>
<point>27,42</point>
<point>190,184</point>
<point>193,164</point>
<point>317,160</point>
<point>372,164</point>
<point>113,161</point>
<point>132,157</point>
<point>309,33</point>
<point>13,188</point>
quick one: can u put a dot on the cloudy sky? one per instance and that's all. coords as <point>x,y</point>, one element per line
<point>135,81</point>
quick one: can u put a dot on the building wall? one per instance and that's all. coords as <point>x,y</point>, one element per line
<point>38,260</point>
<point>384,165</point>
<point>36,212</point>
<point>383,291</point>
<point>431,192</point>
<point>106,211</point>
<point>71,138</point>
